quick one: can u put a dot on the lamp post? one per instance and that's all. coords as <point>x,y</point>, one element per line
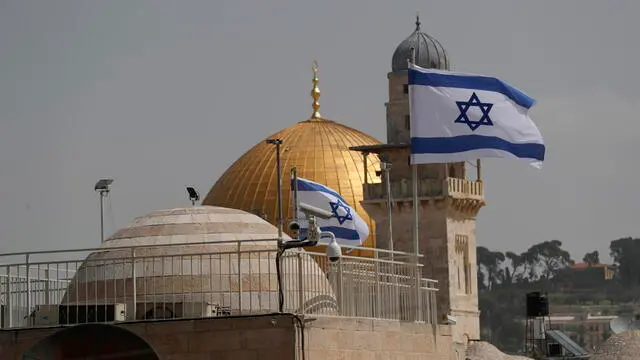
<point>193,195</point>
<point>277,143</point>
<point>103,187</point>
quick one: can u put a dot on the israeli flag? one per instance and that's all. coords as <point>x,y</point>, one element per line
<point>345,223</point>
<point>458,117</point>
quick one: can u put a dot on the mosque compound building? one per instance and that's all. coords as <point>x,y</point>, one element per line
<point>202,282</point>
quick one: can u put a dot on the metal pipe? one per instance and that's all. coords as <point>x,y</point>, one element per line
<point>294,184</point>
<point>277,143</point>
<point>387,174</point>
<point>102,194</point>
<point>279,171</point>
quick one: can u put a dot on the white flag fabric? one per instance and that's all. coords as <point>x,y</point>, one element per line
<point>458,117</point>
<point>345,224</point>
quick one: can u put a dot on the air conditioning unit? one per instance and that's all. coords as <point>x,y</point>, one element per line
<point>91,313</point>
<point>177,310</point>
<point>198,310</point>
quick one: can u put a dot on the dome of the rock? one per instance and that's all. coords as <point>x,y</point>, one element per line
<point>318,149</point>
<point>197,255</point>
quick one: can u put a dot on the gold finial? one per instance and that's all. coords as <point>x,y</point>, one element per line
<point>315,92</point>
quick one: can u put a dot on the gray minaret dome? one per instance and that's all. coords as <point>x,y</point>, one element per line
<point>429,52</point>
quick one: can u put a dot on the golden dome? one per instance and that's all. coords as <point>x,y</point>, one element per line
<point>318,149</point>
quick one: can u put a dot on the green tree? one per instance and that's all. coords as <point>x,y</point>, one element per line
<point>592,258</point>
<point>625,253</point>
<point>546,259</point>
<point>489,262</point>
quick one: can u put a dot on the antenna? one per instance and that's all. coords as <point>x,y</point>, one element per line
<point>625,323</point>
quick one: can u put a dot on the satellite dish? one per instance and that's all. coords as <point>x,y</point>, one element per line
<point>625,323</point>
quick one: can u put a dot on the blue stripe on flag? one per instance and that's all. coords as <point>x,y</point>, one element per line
<point>456,144</point>
<point>339,232</point>
<point>471,82</point>
<point>308,186</point>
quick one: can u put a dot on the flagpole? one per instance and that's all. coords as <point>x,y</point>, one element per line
<point>478,170</point>
<point>416,213</point>
<point>414,177</point>
<point>294,178</point>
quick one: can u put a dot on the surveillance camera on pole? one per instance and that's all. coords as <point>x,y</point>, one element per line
<point>313,236</point>
<point>314,233</point>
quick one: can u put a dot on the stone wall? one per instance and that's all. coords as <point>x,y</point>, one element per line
<point>369,339</point>
<point>263,337</point>
<point>269,337</point>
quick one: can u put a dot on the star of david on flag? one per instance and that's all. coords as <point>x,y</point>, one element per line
<point>348,227</point>
<point>458,117</point>
<point>464,106</point>
<point>340,211</point>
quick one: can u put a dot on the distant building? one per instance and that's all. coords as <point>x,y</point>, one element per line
<point>588,330</point>
<point>585,276</point>
<point>607,271</point>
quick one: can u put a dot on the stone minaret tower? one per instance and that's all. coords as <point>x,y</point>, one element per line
<point>448,201</point>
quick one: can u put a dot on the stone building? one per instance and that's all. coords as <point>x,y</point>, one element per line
<point>448,202</point>
<point>202,282</point>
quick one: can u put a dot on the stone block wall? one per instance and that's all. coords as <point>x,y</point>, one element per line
<point>369,339</point>
<point>271,337</point>
<point>250,338</point>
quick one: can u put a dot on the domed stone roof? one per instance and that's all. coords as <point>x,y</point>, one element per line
<point>191,255</point>
<point>429,52</point>
<point>318,148</point>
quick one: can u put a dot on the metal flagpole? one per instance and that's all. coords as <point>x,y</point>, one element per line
<point>416,214</point>
<point>294,181</point>
<point>414,176</point>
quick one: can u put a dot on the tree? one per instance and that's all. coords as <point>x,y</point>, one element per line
<point>489,262</point>
<point>625,253</point>
<point>546,259</point>
<point>592,258</point>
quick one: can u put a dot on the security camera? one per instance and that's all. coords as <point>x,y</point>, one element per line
<point>310,210</point>
<point>294,227</point>
<point>333,249</point>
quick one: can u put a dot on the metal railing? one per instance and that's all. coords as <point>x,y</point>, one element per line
<point>205,280</point>
<point>426,188</point>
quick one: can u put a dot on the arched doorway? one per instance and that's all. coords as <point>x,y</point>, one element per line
<point>91,341</point>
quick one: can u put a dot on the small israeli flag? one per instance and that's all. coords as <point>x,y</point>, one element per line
<point>345,223</point>
<point>457,117</point>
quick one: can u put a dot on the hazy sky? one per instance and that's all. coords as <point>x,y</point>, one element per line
<point>162,94</point>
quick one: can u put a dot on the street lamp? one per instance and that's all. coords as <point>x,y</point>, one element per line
<point>103,187</point>
<point>193,195</point>
<point>277,143</point>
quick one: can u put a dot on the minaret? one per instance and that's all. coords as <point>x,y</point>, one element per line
<point>448,201</point>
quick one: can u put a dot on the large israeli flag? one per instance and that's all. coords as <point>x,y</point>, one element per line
<point>345,224</point>
<point>459,117</point>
